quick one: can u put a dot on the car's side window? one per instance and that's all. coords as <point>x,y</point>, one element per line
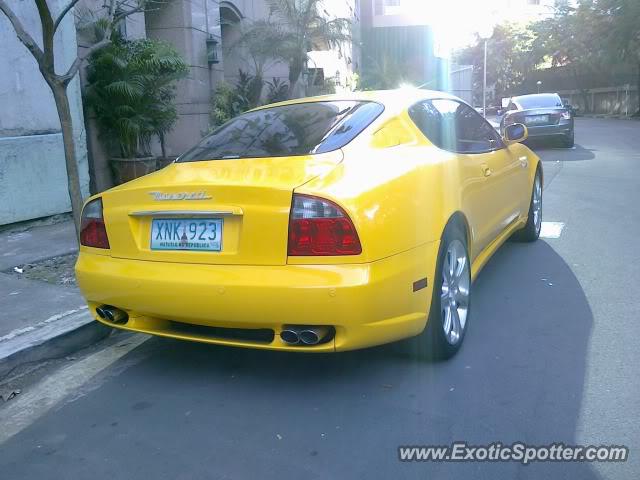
<point>454,126</point>
<point>429,121</point>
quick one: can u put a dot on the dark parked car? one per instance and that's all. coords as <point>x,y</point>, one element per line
<point>544,115</point>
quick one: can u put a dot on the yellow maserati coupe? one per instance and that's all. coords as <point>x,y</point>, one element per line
<point>315,225</point>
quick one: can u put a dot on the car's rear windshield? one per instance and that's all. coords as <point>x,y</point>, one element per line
<point>539,101</point>
<point>289,130</point>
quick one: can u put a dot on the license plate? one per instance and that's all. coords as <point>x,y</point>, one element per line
<point>201,234</point>
<point>537,119</point>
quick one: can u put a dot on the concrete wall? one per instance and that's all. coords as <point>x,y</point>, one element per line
<point>621,100</point>
<point>186,24</point>
<point>33,180</point>
<point>234,57</point>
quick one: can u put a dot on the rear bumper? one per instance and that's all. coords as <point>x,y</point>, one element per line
<point>368,304</point>
<point>550,130</point>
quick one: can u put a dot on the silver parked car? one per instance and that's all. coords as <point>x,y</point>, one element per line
<point>544,115</point>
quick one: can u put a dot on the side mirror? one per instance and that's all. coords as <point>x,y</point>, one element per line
<point>515,133</point>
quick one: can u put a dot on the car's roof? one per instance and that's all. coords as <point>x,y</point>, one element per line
<point>535,101</point>
<point>392,99</point>
<point>533,95</point>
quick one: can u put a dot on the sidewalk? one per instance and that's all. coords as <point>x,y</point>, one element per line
<point>30,244</point>
<point>39,319</point>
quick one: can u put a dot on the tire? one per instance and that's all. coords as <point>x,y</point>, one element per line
<point>568,141</point>
<point>447,325</point>
<point>531,231</point>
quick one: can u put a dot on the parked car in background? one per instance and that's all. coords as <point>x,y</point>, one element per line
<point>545,116</point>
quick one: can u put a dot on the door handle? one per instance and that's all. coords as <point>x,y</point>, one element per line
<point>486,170</point>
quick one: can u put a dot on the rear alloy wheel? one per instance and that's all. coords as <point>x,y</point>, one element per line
<point>450,304</point>
<point>454,292</point>
<point>531,231</point>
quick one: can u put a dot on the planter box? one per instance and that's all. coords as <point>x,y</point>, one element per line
<point>126,169</point>
<point>162,162</point>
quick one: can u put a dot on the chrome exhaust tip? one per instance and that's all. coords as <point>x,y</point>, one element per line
<point>290,336</point>
<point>112,314</point>
<point>313,335</point>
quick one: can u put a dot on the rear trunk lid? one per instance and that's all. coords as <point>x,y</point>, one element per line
<point>540,116</point>
<point>248,200</point>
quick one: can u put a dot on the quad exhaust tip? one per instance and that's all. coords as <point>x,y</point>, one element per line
<point>306,335</point>
<point>290,336</point>
<point>112,314</point>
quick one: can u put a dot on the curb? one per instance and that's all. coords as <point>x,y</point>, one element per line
<point>55,337</point>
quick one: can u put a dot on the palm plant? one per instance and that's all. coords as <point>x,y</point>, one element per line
<point>277,90</point>
<point>294,28</point>
<point>257,45</point>
<point>229,101</point>
<point>131,88</point>
<point>248,90</point>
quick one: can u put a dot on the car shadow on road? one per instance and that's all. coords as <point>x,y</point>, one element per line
<point>174,409</point>
<point>518,378</point>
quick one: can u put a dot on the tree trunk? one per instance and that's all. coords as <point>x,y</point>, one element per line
<point>163,146</point>
<point>584,92</point>
<point>295,70</point>
<point>66,122</point>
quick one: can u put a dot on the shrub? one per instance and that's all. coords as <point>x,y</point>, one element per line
<point>131,89</point>
<point>278,91</point>
<point>230,101</point>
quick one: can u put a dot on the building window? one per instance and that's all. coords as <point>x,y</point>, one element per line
<point>380,5</point>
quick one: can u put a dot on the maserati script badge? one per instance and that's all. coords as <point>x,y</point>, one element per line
<point>161,196</point>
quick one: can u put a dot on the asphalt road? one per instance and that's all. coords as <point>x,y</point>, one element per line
<point>551,356</point>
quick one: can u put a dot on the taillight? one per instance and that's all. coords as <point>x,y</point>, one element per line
<point>566,115</point>
<point>320,227</point>
<point>92,230</point>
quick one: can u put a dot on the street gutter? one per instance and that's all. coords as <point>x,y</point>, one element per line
<point>52,338</point>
